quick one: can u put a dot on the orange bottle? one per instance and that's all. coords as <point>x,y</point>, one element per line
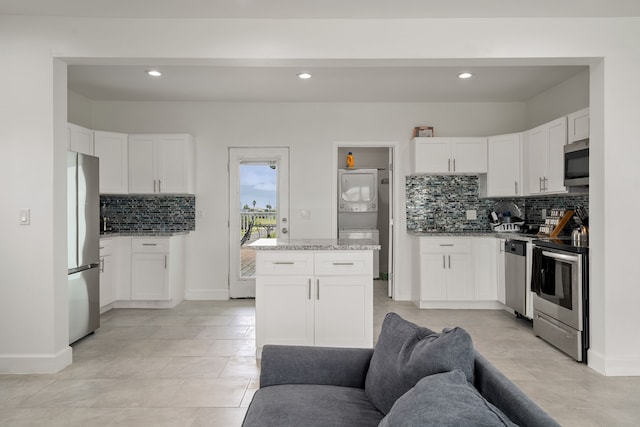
<point>350,160</point>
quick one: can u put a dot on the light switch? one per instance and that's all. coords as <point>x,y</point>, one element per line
<point>25,216</point>
<point>472,214</point>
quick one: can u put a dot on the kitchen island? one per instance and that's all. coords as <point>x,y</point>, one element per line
<point>314,292</point>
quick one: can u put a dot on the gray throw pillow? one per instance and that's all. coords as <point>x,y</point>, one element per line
<point>405,353</point>
<point>444,400</point>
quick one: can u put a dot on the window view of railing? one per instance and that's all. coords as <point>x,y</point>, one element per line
<point>254,225</point>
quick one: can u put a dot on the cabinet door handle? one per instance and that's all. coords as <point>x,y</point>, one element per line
<point>449,166</point>
<point>546,183</point>
<point>449,262</point>
<point>154,185</point>
<point>159,186</point>
<point>309,288</point>
<point>101,265</point>
<point>318,289</point>
<point>165,262</point>
<point>515,184</point>
<point>454,164</point>
<point>343,263</point>
<point>444,265</point>
<point>540,183</point>
<point>283,263</point>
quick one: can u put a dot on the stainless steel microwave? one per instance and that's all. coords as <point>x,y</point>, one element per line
<point>576,164</point>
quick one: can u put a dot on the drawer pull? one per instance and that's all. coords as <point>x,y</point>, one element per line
<point>101,247</point>
<point>149,244</point>
<point>343,263</point>
<point>283,262</point>
<point>447,244</point>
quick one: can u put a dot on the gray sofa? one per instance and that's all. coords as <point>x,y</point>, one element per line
<point>414,377</point>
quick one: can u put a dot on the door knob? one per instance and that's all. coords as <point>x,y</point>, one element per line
<point>284,231</point>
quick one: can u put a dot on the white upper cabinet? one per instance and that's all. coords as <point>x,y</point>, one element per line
<point>79,139</point>
<point>545,157</point>
<point>161,163</point>
<point>440,155</point>
<point>111,148</point>
<point>504,171</point>
<point>578,125</point>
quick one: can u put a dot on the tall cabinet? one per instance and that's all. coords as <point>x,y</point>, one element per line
<point>161,163</point>
<point>545,157</point>
<point>112,149</point>
<point>504,176</point>
<point>79,139</point>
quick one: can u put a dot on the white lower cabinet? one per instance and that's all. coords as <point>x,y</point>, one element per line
<point>142,272</point>
<point>157,269</point>
<point>456,272</point>
<point>149,276</point>
<point>500,266</point>
<point>108,270</point>
<point>445,269</point>
<point>320,298</point>
<point>485,274</point>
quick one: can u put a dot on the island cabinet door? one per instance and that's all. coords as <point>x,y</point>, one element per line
<point>284,310</point>
<point>343,311</point>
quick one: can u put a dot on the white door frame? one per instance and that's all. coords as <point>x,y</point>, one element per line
<point>394,200</point>
<point>245,287</point>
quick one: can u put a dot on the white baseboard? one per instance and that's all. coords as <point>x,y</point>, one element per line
<point>628,366</point>
<point>462,305</point>
<point>145,304</point>
<point>207,295</point>
<point>35,363</point>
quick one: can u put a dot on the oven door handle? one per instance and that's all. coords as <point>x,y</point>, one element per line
<point>561,257</point>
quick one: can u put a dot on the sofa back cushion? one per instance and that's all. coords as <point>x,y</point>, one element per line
<point>444,400</point>
<point>405,353</point>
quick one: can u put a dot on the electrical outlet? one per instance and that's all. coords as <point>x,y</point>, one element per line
<point>472,214</point>
<point>544,214</point>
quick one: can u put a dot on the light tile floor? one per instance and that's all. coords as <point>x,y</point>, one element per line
<point>195,365</point>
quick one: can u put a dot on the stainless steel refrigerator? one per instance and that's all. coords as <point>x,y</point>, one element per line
<point>83,240</point>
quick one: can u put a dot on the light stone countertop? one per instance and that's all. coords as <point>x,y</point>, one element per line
<point>143,234</point>
<point>497,235</point>
<point>315,245</point>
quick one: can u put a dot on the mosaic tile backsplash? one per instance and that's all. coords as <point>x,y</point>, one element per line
<point>151,213</point>
<point>440,202</point>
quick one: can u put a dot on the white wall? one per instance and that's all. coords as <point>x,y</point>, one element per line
<point>560,100</point>
<point>79,110</point>
<point>310,129</point>
<point>31,297</point>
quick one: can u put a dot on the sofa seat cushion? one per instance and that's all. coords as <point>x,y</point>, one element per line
<point>444,400</point>
<point>298,405</point>
<point>405,353</point>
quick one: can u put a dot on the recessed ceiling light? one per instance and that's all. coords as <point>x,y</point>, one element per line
<point>465,75</point>
<point>304,76</point>
<point>154,73</point>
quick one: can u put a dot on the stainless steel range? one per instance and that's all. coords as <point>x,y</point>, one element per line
<point>560,280</point>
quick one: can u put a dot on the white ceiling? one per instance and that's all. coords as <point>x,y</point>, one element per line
<point>344,82</point>
<point>321,8</point>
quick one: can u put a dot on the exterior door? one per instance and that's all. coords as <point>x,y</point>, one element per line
<point>258,209</point>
